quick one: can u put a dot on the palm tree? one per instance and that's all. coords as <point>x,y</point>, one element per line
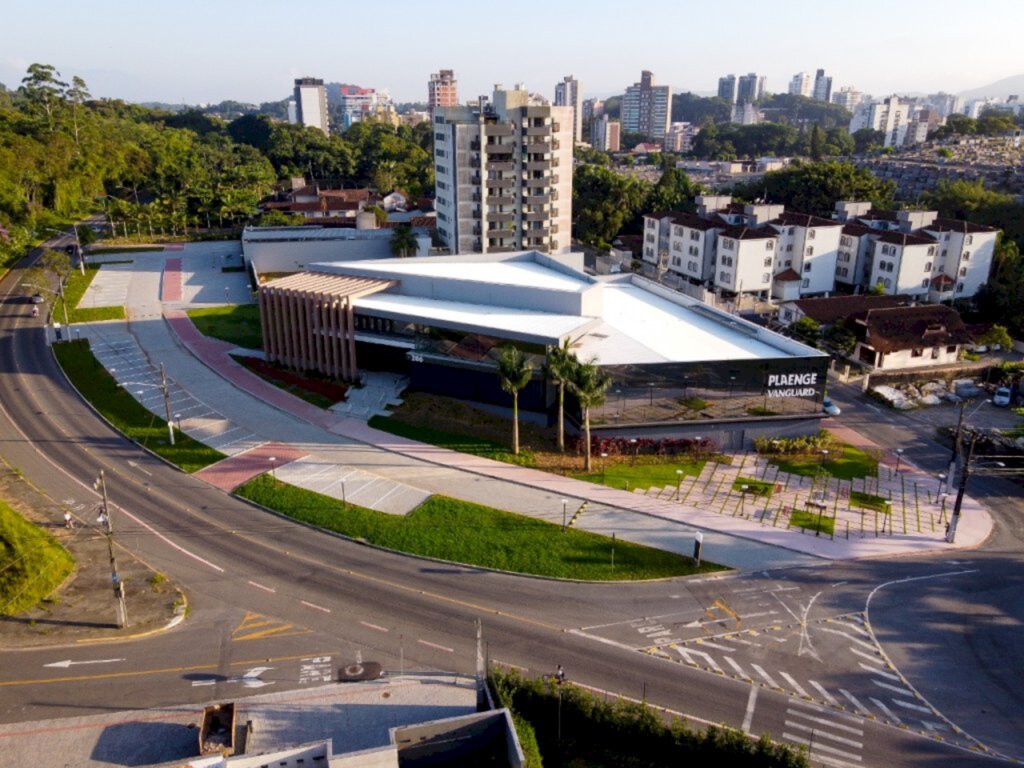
<point>403,241</point>
<point>559,370</point>
<point>515,372</point>
<point>590,385</point>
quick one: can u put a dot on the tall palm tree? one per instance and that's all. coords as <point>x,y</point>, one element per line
<point>590,385</point>
<point>403,241</point>
<point>559,367</point>
<point>515,372</point>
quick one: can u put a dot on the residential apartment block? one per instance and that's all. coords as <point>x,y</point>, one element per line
<point>311,103</point>
<point>822,87</point>
<point>504,174</point>
<point>750,88</point>
<point>569,94</point>
<point>605,134</point>
<point>357,104</point>
<point>442,90</point>
<point>801,84</point>
<point>727,88</point>
<point>765,250</point>
<point>647,108</point>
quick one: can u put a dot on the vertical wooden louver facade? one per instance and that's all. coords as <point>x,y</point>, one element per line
<point>308,321</point>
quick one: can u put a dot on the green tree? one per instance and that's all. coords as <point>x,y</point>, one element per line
<point>604,202</point>
<point>840,338</point>
<point>559,369</point>
<point>996,336</point>
<point>514,373</point>
<point>867,140</point>
<point>673,192</point>
<point>816,187</point>
<point>43,92</point>
<point>816,143</point>
<point>380,216</point>
<point>403,241</point>
<point>590,386</point>
<point>808,329</point>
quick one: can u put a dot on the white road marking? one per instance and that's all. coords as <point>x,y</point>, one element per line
<point>68,662</point>
<point>314,605</point>
<point>888,712</point>
<point>824,694</point>
<point>767,678</point>
<point>737,668</point>
<point>687,653</point>
<point>868,656</point>
<point>716,646</point>
<point>933,726</point>
<point>509,664</point>
<point>853,700</point>
<point>374,626</point>
<point>748,718</point>
<point>260,586</point>
<point>818,747</point>
<point>848,636</point>
<point>894,688</point>
<point>838,584</point>
<point>826,760</point>
<point>796,686</point>
<point>818,732</point>
<point>915,707</point>
<point>877,671</point>
<point>444,648</point>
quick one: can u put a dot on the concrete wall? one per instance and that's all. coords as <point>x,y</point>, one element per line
<point>297,255</point>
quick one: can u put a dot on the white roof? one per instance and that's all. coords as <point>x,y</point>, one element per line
<point>526,274</point>
<point>505,322</point>
<point>640,327</point>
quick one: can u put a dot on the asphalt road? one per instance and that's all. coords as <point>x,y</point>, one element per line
<point>270,596</point>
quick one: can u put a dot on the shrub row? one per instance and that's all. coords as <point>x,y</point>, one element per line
<point>646,446</point>
<point>795,446</point>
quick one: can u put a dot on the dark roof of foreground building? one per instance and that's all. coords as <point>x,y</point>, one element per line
<point>831,310</point>
<point>900,328</point>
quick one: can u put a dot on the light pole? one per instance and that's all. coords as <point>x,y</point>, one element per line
<point>78,244</point>
<point>177,420</point>
<point>942,480</point>
<point>954,519</point>
<point>743,497</point>
<point>565,503</point>
<point>679,484</point>
<point>165,391</point>
<point>888,516</point>
<point>899,457</point>
<point>604,465</point>
<point>272,459</point>
<point>636,448</point>
<point>120,608</point>
<point>824,456</point>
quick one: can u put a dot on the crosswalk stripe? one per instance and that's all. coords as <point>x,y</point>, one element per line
<point>823,721</point>
<point>686,653</point>
<point>853,700</point>
<point>820,747</point>
<point>876,671</point>
<point>825,759</point>
<point>869,656</point>
<point>856,628</point>
<point>806,706</point>
<point>895,688</point>
<point>738,669</point>
<point>824,694</point>
<point>888,712</point>
<point>933,726</point>
<point>915,707</point>
<point>796,686</point>
<point>768,678</point>
<point>848,636</point>
<point>709,644</point>
<point>824,734</point>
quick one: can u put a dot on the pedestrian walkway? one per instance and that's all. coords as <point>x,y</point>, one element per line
<point>243,467</point>
<point>109,288</point>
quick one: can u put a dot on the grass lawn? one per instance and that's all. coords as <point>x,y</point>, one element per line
<point>32,563</point>
<point>648,472</point>
<point>809,521</point>
<point>238,324</point>
<point>754,487</point>
<point>74,290</point>
<point>867,501</point>
<point>476,446</point>
<point>125,413</point>
<point>476,535</point>
<point>852,463</point>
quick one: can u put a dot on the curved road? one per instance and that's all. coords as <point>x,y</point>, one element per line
<point>334,597</point>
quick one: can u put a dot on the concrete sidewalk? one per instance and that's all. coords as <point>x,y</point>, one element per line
<point>737,533</point>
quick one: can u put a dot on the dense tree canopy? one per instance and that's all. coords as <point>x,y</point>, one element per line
<point>816,187</point>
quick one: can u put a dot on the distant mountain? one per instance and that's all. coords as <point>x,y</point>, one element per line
<point>1008,86</point>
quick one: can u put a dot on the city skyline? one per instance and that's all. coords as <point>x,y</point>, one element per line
<point>244,52</point>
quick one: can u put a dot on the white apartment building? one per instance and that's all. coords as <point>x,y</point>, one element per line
<point>848,98</point>
<point>853,262</point>
<point>903,263</point>
<point>822,87</point>
<point>966,252</point>
<point>745,259</point>
<point>605,134</point>
<point>801,84</point>
<point>891,116</point>
<point>358,104</point>
<point>656,239</point>
<point>692,247</point>
<point>311,103</point>
<point>680,137</point>
<point>809,245</point>
<point>504,174</point>
<point>569,94</point>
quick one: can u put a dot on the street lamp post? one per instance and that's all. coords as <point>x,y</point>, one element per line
<point>743,498</point>
<point>78,244</point>
<point>899,457</point>
<point>888,516</point>
<point>679,484</point>
<point>954,519</point>
<point>636,448</point>
<point>272,461</point>
<point>604,465</point>
<point>942,480</point>
<point>120,607</point>
<point>824,456</point>
<point>565,503</point>
<point>167,401</point>
<point>177,420</point>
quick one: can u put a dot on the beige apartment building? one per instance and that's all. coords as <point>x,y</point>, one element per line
<point>504,174</point>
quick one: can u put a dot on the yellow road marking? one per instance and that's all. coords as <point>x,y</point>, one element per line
<point>252,623</point>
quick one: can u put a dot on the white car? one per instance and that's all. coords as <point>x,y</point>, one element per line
<point>830,408</point>
<point>1001,397</point>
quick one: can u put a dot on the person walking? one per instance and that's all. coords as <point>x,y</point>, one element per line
<point>69,522</point>
<point>560,674</point>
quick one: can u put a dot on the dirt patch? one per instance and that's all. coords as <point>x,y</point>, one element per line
<point>83,607</point>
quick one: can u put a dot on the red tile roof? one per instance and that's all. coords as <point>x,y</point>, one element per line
<point>901,328</point>
<point>902,238</point>
<point>956,225</point>
<point>787,276</point>
<point>749,233</point>
<point>804,220</point>
<point>831,310</point>
<point>858,230</point>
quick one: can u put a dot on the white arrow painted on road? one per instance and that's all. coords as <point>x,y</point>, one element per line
<point>135,465</point>
<point>68,662</point>
<point>250,679</point>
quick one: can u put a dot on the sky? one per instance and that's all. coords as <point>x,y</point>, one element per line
<point>206,51</point>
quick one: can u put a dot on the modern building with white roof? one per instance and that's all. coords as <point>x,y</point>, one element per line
<point>443,320</point>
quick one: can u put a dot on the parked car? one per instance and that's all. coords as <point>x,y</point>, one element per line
<point>1001,397</point>
<point>830,408</point>
<point>37,298</point>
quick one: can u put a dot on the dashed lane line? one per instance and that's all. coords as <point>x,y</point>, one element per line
<point>377,627</point>
<point>315,606</point>
<point>429,644</point>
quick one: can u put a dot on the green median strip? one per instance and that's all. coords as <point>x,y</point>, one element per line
<point>463,532</point>
<point>127,414</point>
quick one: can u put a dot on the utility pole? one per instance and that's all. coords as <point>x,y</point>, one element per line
<point>964,474</point>
<point>167,402</point>
<point>121,609</point>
